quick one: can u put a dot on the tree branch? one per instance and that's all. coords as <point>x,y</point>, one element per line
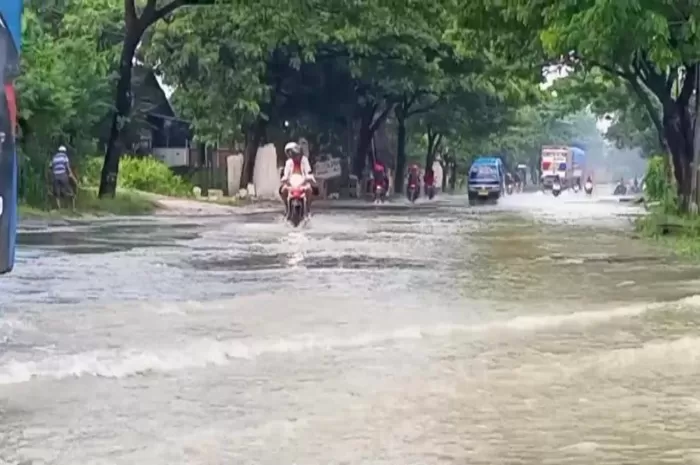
<point>165,10</point>
<point>148,10</point>
<point>130,12</point>
<point>425,109</point>
<point>651,109</point>
<point>688,85</point>
<point>382,116</point>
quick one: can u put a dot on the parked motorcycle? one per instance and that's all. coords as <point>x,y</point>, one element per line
<point>588,188</point>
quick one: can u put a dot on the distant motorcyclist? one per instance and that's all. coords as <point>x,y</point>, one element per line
<point>413,180</point>
<point>429,182</point>
<point>517,181</point>
<point>620,189</point>
<point>297,163</point>
<point>429,178</point>
<point>380,176</point>
<point>635,186</point>
<point>413,175</point>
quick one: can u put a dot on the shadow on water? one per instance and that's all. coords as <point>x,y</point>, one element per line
<point>261,262</point>
<point>104,236</point>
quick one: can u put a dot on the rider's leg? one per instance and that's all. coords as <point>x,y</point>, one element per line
<point>283,196</point>
<point>309,196</point>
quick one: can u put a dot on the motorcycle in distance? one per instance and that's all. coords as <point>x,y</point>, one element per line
<point>430,191</point>
<point>412,191</point>
<point>620,189</point>
<point>509,188</point>
<point>379,193</point>
<point>556,188</point>
<point>297,203</point>
<point>576,188</point>
<point>588,187</point>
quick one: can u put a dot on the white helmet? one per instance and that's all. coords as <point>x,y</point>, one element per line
<point>62,148</point>
<point>292,147</point>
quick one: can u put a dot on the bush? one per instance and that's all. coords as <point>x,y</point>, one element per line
<point>658,187</point>
<point>141,173</point>
<point>124,203</point>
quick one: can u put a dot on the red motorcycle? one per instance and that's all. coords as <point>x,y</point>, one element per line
<point>379,192</point>
<point>412,191</point>
<point>297,202</point>
<point>430,190</point>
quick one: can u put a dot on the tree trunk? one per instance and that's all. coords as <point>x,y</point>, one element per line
<point>369,124</point>
<point>256,134</point>
<point>364,141</point>
<point>110,168</point>
<point>433,146</point>
<point>445,167</point>
<point>400,151</point>
<point>453,175</point>
<point>679,138</point>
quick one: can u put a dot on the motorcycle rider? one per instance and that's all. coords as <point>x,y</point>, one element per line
<point>429,178</point>
<point>621,188</point>
<point>297,163</point>
<point>379,175</point>
<point>509,181</point>
<point>413,177</point>
<point>517,181</point>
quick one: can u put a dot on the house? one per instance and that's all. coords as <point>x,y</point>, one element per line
<point>155,129</point>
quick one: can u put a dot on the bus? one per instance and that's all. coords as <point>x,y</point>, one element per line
<point>10,38</point>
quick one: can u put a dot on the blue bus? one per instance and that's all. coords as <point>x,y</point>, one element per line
<point>486,180</point>
<point>10,38</point>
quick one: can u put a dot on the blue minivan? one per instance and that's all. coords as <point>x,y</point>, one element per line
<point>486,180</point>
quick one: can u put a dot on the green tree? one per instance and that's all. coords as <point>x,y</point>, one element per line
<point>137,19</point>
<point>66,83</point>
<point>650,45</point>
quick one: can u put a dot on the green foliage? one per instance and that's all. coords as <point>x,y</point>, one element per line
<point>124,203</point>
<point>66,85</point>
<point>657,185</point>
<point>145,174</point>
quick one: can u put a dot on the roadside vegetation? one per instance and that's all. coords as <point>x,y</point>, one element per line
<point>141,178</point>
<point>403,82</point>
<point>666,222</point>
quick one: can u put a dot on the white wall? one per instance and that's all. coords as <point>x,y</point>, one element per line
<point>234,170</point>
<point>266,177</point>
<point>437,172</point>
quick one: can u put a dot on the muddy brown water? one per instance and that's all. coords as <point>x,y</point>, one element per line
<point>533,332</point>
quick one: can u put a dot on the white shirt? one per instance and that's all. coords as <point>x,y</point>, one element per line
<point>305,169</point>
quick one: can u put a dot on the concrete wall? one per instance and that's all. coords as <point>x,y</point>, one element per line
<point>437,172</point>
<point>266,177</point>
<point>234,170</point>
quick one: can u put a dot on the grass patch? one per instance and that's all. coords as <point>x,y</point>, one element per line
<point>125,203</point>
<point>679,233</point>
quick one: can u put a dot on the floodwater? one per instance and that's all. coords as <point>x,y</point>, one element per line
<point>534,332</point>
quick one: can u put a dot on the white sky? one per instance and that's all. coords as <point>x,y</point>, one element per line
<point>556,72</point>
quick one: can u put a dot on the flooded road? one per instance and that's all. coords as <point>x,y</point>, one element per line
<point>534,332</point>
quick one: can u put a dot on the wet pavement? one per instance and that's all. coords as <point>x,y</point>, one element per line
<point>533,332</point>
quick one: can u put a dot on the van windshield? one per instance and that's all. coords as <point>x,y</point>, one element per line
<point>483,171</point>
